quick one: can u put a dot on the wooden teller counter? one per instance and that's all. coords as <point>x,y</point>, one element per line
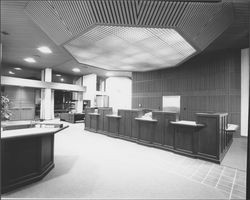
<point>27,152</point>
<point>208,138</point>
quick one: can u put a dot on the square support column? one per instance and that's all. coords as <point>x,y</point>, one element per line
<point>47,97</point>
<point>244,91</point>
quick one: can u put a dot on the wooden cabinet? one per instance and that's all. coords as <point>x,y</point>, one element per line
<point>213,140</point>
<point>103,121</point>
<point>113,124</point>
<point>146,129</point>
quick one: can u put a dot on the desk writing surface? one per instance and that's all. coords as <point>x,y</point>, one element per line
<point>145,119</point>
<point>187,123</point>
<point>97,114</point>
<point>27,132</point>
<point>232,127</point>
<point>16,123</point>
<point>115,116</point>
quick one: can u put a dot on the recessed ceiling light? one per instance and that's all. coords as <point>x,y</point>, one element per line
<point>44,49</point>
<point>76,70</point>
<point>18,68</point>
<point>109,74</point>
<point>62,79</point>
<point>30,60</point>
<point>11,72</point>
<point>58,75</point>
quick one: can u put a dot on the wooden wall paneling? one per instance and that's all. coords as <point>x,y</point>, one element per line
<point>209,82</point>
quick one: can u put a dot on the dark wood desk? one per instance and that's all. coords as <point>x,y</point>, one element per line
<point>27,155</point>
<point>72,117</point>
<point>93,122</point>
<point>186,137</point>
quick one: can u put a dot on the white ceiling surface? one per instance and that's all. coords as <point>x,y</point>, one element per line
<point>130,48</point>
<point>25,37</point>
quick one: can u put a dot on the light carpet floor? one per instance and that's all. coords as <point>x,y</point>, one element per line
<point>94,166</point>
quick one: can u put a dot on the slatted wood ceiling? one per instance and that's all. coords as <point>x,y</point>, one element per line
<point>200,22</point>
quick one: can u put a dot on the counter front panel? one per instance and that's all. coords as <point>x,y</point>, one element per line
<point>27,155</point>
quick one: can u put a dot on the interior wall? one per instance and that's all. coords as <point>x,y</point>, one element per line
<point>22,102</point>
<point>90,82</point>
<point>209,82</point>
<point>119,92</point>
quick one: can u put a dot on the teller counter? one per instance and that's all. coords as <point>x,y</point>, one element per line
<point>209,137</point>
<point>27,154</point>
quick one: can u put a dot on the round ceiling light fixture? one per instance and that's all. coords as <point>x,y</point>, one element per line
<point>76,70</point>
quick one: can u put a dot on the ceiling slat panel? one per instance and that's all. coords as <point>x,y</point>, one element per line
<point>120,12</point>
<point>168,12</point>
<point>110,12</point>
<point>128,12</point>
<point>85,5</point>
<point>141,9</point>
<point>39,11</point>
<point>60,7</point>
<point>158,5</point>
<point>96,3</point>
<point>117,11</point>
<point>93,10</point>
<point>217,25</point>
<point>124,14</point>
<point>160,13</point>
<point>150,12</point>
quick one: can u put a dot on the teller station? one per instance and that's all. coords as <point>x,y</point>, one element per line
<point>27,152</point>
<point>208,138</point>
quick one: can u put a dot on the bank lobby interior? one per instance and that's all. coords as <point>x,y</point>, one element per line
<point>133,99</point>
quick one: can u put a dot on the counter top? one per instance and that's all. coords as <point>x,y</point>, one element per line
<point>16,123</point>
<point>29,132</point>
<point>232,127</point>
<point>187,123</point>
<point>93,113</point>
<point>115,116</point>
<point>146,119</point>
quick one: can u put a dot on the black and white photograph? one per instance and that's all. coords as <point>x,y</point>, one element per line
<point>125,99</point>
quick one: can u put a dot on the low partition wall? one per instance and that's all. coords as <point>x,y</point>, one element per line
<point>27,154</point>
<point>206,138</point>
<point>72,117</point>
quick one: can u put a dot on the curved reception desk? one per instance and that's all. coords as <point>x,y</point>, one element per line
<point>208,138</point>
<point>27,154</point>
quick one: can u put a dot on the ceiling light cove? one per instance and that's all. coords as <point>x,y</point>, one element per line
<point>109,74</point>
<point>76,70</point>
<point>11,72</point>
<point>44,49</point>
<point>30,60</point>
<point>130,48</point>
